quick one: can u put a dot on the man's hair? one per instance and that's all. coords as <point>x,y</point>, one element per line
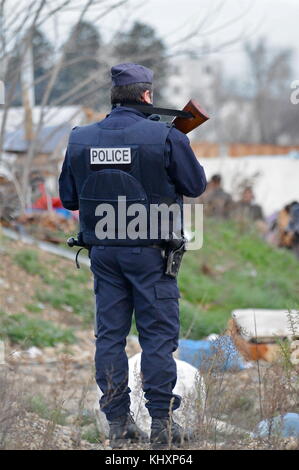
<point>216,179</point>
<point>129,93</point>
<point>247,188</point>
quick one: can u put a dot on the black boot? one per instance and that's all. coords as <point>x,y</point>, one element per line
<point>123,431</point>
<point>165,433</point>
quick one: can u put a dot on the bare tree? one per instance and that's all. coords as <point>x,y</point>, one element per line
<point>270,72</point>
<point>33,17</point>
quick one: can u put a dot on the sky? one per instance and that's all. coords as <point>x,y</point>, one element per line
<point>276,20</point>
<point>225,21</point>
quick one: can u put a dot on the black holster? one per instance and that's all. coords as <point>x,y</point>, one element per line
<point>80,243</point>
<point>174,252</point>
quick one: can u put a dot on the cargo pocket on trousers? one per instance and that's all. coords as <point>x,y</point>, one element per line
<point>167,303</point>
<point>167,289</point>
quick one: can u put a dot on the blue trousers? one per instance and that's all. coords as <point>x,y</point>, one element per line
<point>127,280</point>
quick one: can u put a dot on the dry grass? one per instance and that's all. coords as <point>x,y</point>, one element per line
<point>234,403</point>
<point>243,399</point>
<point>33,420</point>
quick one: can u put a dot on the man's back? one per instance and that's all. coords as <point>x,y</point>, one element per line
<point>127,155</point>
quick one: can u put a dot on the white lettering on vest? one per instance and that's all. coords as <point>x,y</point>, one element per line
<point>107,155</point>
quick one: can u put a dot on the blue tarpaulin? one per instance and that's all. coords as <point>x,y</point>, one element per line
<point>281,426</point>
<point>220,354</point>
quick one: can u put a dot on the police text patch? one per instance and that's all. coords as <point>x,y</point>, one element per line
<point>110,156</point>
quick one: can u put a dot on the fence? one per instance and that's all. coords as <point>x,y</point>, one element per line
<point>211,150</point>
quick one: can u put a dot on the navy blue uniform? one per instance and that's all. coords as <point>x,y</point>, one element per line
<point>130,279</point>
<point>180,162</point>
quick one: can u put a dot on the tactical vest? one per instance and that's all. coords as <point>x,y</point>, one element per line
<point>126,174</point>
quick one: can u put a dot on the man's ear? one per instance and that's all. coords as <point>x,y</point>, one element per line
<point>146,97</point>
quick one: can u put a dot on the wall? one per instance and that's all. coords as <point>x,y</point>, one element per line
<point>276,179</point>
<point>208,149</point>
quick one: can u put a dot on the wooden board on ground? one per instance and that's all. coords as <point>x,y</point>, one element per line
<point>257,332</point>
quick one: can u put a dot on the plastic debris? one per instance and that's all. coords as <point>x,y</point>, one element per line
<point>189,386</point>
<point>216,352</point>
<point>281,426</point>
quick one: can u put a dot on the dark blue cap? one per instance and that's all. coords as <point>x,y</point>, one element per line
<point>125,74</point>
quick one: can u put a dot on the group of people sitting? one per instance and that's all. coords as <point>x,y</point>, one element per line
<point>219,203</point>
<point>280,229</point>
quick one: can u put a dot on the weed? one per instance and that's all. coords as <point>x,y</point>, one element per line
<point>38,404</point>
<point>29,261</point>
<point>33,308</point>
<point>20,328</point>
<point>91,435</point>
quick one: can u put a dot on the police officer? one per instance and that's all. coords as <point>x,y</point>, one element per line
<point>129,154</point>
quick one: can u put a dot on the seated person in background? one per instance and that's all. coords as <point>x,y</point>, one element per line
<point>288,225</point>
<point>284,228</point>
<point>216,201</point>
<point>245,209</point>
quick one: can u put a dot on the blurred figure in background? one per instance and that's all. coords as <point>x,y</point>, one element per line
<point>245,209</point>
<point>216,201</point>
<point>293,226</point>
<point>284,231</point>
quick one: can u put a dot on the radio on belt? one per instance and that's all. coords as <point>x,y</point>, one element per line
<point>110,155</point>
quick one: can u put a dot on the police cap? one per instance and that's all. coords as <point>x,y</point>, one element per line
<point>128,73</point>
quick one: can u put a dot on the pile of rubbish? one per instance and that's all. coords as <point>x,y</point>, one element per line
<point>45,219</point>
<point>44,225</point>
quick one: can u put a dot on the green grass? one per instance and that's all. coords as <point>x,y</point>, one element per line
<point>22,329</point>
<point>73,291</point>
<point>240,271</point>
<point>244,272</point>
<point>28,259</point>
<point>68,288</point>
<point>33,308</point>
<point>38,404</point>
<point>91,435</point>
